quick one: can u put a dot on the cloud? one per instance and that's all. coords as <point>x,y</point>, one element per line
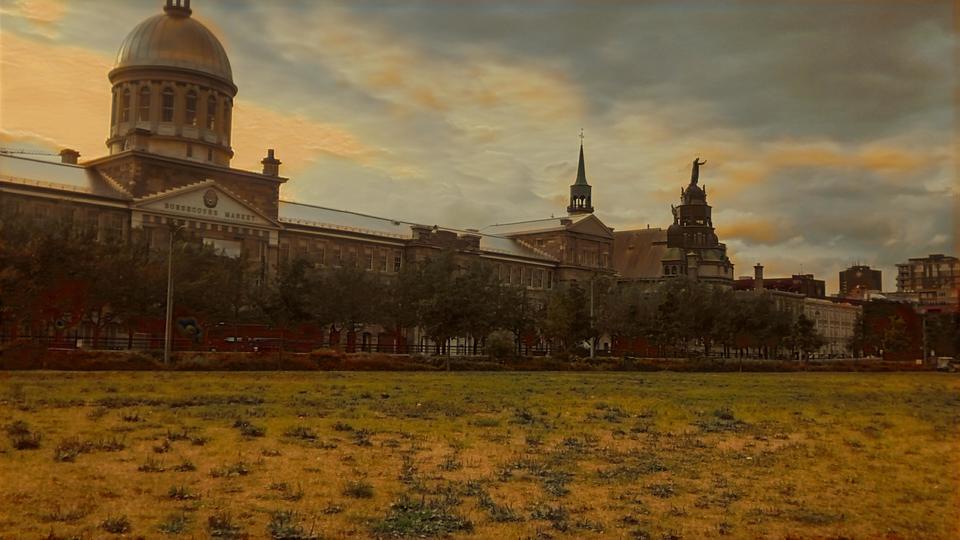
<point>59,102</point>
<point>827,131</point>
<point>41,17</point>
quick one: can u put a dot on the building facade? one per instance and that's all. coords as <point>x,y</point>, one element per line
<point>933,280</point>
<point>688,247</point>
<point>167,167</point>
<point>858,280</point>
<point>834,321</point>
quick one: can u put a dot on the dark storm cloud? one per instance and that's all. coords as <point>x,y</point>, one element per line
<point>851,70</point>
<point>826,125</point>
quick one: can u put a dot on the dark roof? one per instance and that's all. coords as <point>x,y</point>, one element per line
<point>581,171</point>
<point>637,253</point>
<point>60,176</point>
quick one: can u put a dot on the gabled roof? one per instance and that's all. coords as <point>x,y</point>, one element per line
<point>307,215</point>
<point>572,222</point>
<point>638,253</point>
<point>329,218</point>
<point>202,186</point>
<point>534,226</point>
<point>55,175</point>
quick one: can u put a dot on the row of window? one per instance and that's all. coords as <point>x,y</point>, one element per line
<point>168,105</point>
<point>381,260</point>
<point>530,277</point>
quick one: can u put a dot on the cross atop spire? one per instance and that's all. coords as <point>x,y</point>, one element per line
<point>580,190</point>
<point>581,170</point>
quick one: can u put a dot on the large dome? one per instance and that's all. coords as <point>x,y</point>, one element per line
<point>174,39</point>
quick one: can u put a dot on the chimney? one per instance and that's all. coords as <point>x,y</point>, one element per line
<point>271,165</point>
<point>758,277</point>
<point>69,155</point>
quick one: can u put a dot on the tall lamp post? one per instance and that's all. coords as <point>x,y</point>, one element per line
<point>168,320</point>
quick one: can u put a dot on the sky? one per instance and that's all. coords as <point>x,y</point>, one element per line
<point>828,127</point>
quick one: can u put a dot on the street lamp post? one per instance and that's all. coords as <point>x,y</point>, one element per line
<point>168,320</point>
<point>593,342</point>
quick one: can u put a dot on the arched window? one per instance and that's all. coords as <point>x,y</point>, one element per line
<point>191,109</point>
<point>125,106</point>
<point>167,115</point>
<point>113,110</point>
<point>211,111</point>
<point>144,104</point>
<point>226,116</point>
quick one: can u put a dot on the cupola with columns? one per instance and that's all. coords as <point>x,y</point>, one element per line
<point>173,90</point>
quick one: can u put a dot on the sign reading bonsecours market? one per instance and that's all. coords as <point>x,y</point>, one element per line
<point>210,203</point>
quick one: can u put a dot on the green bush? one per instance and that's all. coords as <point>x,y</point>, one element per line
<point>500,344</point>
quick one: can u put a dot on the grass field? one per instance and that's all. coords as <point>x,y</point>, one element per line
<point>505,455</point>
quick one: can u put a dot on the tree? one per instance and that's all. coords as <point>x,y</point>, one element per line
<point>857,342</point>
<point>804,338</point>
<point>515,312</point>
<point>286,300</point>
<point>567,317</point>
<point>895,338</point>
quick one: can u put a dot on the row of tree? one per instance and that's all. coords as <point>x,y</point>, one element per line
<point>58,276</point>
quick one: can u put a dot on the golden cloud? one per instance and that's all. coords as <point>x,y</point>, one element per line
<point>756,231</point>
<point>58,96</point>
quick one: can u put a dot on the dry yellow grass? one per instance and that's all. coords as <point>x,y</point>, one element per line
<point>499,455</point>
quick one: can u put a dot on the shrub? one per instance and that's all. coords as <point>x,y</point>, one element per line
<point>285,525</point>
<point>342,426</point>
<point>301,432</point>
<point>239,468</point>
<point>21,437</point>
<point>116,525</point>
<point>181,493</point>
<point>221,525</point>
<point>29,441</point>
<point>358,489</point>
<point>249,430</point>
<point>68,449</point>
<point>151,465</point>
<point>174,524</point>
<point>500,344</point>
<point>423,517</point>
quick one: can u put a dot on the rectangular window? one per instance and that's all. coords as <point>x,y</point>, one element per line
<point>320,256</point>
<point>190,109</point>
<point>383,262</point>
<point>144,104</point>
<point>396,263</point>
<point>549,279</point>
<point>167,109</point>
<point>539,280</point>
<point>337,256</point>
<point>369,261</point>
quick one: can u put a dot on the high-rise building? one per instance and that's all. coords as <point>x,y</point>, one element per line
<point>935,279</point>
<point>857,280</point>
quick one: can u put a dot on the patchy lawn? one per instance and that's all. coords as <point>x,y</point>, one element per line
<point>482,455</point>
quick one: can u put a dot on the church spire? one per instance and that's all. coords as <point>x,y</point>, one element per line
<point>580,191</point>
<point>581,170</point>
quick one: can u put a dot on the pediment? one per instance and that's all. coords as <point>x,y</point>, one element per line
<point>593,226</point>
<point>207,201</point>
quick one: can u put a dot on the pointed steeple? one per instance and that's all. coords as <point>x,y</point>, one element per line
<point>581,170</point>
<point>580,195</point>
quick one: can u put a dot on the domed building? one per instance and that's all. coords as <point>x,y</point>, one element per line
<point>172,81</point>
<point>168,172</point>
